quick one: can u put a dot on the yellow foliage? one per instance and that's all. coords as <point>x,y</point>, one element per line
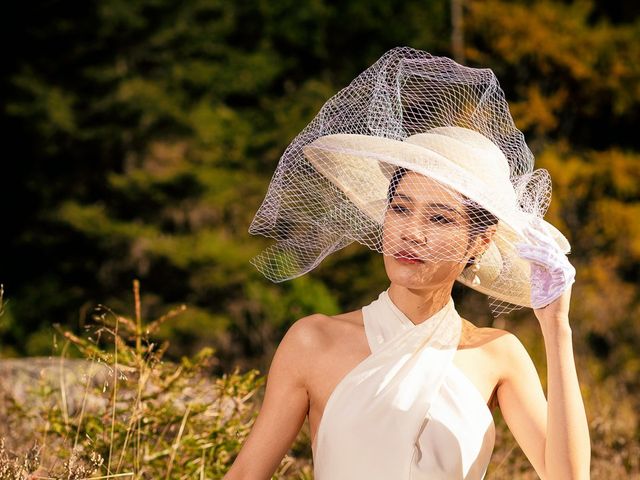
<point>551,48</point>
<point>537,112</point>
<point>600,300</point>
<point>546,33</point>
<point>618,220</point>
<point>623,171</point>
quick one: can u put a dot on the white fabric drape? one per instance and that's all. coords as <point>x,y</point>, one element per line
<point>405,411</point>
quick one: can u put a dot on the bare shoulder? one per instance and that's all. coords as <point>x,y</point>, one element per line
<point>317,333</point>
<point>486,337</point>
<point>501,345</point>
<point>309,331</point>
<point>291,358</point>
<point>507,345</point>
<point>514,357</point>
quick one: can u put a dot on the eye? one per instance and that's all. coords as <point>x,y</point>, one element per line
<point>438,218</point>
<point>399,208</point>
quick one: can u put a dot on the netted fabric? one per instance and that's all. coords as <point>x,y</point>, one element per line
<point>418,159</point>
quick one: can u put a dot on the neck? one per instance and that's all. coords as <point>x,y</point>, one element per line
<point>419,304</point>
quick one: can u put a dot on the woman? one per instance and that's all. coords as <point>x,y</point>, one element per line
<point>419,160</point>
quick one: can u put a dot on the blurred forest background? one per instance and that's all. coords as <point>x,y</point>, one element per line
<point>140,138</point>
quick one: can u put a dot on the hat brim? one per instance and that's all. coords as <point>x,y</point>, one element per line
<point>361,167</point>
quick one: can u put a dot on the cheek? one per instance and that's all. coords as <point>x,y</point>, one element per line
<point>447,244</point>
<point>440,242</point>
<point>391,232</point>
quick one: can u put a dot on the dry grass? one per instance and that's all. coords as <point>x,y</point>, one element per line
<point>122,411</point>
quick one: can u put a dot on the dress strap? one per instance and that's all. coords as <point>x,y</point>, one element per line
<point>383,320</point>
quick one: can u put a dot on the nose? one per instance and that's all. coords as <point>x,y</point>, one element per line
<point>413,232</point>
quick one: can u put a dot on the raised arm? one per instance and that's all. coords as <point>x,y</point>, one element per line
<point>568,447</point>
<point>283,410</point>
<point>563,449</point>
<point>553,433</point>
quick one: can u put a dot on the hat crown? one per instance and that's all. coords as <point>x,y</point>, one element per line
<point>474,153</point>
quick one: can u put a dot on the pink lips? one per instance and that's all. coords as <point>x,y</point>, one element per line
<point>405,256</point>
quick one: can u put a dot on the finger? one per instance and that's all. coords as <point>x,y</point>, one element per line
<point>550,256</point>
<point>539,236</point>
<point>539,255</point>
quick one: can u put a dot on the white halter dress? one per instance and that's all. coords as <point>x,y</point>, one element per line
<point>406,412</point>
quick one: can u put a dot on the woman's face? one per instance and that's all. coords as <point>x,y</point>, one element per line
<point>425,235</point>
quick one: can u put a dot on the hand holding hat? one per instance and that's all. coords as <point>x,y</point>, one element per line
<point>551,272</point>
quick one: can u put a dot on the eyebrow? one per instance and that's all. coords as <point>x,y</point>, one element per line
<point>443,206</point>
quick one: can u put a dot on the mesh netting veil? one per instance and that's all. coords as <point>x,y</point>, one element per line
<point>417,158</point>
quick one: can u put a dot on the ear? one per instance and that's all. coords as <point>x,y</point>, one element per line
<point>483,240</point>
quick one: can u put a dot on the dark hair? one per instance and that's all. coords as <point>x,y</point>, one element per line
<point>480,219</point>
